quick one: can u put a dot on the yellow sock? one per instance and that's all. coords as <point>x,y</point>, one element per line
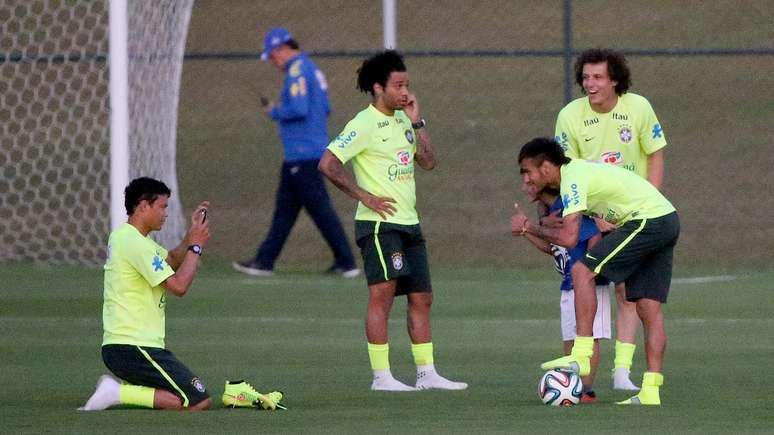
<point>624,354</point>
<point>423,353</point>
<point>583,346</point>
<point>136,395</point>
<point>652,379</point>
<point>379,354</point>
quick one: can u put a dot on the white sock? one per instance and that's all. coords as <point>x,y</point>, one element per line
<point>105,395</point>
<point>621,380</point>
<point>429,379</point>
<point>426,369</point>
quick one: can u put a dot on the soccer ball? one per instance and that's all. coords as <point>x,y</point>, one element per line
<point>560,388</point>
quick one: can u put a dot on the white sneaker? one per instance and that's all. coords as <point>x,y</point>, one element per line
<point>105,395</point>
<point>345,273</point>
<point>385,382</point>
<point>431,380</point>
<point>251,268</point>
<point>351,273</point>
<point>621,380</point>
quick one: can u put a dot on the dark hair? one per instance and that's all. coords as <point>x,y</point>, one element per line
<point>551,191</point>
<point>617,68</point>
<point>377,69</point>
<point>292,43</point>
<point>143,189</point>
<point>543,148</point>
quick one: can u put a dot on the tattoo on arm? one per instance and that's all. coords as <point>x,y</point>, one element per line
<point>335,172</point>
<point>566,235</point>
<point>425,154</point>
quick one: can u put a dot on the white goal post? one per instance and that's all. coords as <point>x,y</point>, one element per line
<point>60,82</point>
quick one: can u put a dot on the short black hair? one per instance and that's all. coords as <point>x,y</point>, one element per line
<point>292,43</point>
<point>377,69</point>
<point>541,149</point>
<point>617,68</point>
<point>143,189</point>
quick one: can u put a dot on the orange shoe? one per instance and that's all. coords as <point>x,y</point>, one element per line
<point>588,397</point>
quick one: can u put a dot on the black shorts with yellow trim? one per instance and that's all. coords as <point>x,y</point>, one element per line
<point>156,368</point>
<point>640,254</point>
<point>394,252</point>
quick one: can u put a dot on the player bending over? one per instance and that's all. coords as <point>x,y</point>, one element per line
<point>639,252</point>
<point>564,259</point>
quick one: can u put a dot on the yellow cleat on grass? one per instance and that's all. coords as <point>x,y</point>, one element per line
<point>240,394</point>
<point>649,394</point>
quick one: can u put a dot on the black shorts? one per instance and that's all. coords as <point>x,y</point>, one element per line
<point>392,251</point>
<point>640,254</point>
<point>156,368</point>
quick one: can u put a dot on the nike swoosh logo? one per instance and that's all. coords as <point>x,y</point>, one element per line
<point>385,140</point>
<point>588,138</point>
<point>590,256</point>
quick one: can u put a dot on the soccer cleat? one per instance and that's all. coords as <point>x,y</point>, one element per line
<point>576,363</point>
<point>346,272</point>
<point>240,394</point>
<point>621,380</point>
<point>276,397</point>
<point>588,397</point>
<point>252,268</point>
<point>105,395</point>
<point>646,396</point>
<point>431,380</point>
<point>649,394</point>
<point>388,383</point>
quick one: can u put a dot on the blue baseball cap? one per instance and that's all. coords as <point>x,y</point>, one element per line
<point>274,38</point>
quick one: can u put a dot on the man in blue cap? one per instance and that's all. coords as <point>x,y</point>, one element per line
<point>302,115</point>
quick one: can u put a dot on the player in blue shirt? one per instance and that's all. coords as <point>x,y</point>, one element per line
<point>550,201</point>
<point>302,116</point>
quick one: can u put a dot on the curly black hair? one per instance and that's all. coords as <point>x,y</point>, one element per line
<point>143,189</point>
<point>617,68</point>
<point>377,69</point>
<point>543,148</point>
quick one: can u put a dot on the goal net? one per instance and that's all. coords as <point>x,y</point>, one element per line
<point>55,121</point>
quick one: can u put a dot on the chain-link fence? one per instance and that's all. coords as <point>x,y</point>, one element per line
<point>489,76</point>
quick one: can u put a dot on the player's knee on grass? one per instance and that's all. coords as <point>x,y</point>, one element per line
<point>164,399</point>
<point>202,406</point>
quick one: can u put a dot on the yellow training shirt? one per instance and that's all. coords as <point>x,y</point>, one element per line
<point>133,309</point>
<point>382,151</point>
<point>625,136</point>
<point>615,194</point>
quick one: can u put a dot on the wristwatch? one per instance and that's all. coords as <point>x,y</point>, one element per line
<point>196,249</point>
<point>419,124</point>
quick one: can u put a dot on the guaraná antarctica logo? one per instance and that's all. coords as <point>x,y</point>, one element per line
<point>403,170</point>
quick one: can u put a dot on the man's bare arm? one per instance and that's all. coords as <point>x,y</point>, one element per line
<point>656,168</point>
<point>425,154</point>
<point>331,167</point>
<point>181,281</point>
<point>567,235</point>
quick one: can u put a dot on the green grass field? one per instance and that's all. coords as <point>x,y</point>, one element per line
<point>302,332</point>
